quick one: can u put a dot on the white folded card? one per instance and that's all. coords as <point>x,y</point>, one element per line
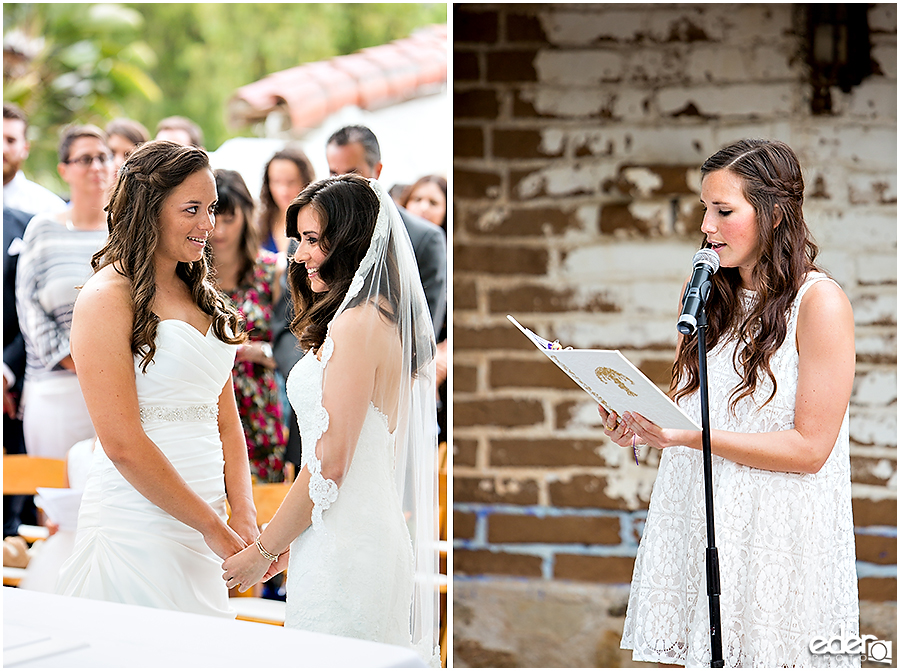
<point>614,382</point>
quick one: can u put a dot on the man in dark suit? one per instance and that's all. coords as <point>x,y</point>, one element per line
<point>355,149</point>
<point>15,508</point>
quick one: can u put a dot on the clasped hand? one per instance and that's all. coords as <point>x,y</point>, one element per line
<point>248,567</point>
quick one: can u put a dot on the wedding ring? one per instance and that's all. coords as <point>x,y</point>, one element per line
<point>611,428</point>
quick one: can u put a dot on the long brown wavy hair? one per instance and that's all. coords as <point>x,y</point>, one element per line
<point>234,196</point>
<point>146,179</point>
<point>773,184</point>
<point>347,210</point>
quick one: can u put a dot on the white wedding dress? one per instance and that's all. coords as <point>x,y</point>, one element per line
<point>127,549</point>
<point>351,572</point>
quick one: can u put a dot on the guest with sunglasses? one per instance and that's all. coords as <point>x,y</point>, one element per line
<point>54,261</point>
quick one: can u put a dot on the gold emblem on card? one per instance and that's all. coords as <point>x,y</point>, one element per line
<point>607,375</point>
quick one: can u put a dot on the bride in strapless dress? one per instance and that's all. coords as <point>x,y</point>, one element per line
<point>154,345</point>
<point>357,528</point>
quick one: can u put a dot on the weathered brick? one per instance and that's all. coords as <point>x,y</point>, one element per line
<point>521,221</point>
<point>876,549</point>
<point>500,259</point>
<point>489,338</point>
<point>519,144</point>
<point>586,491</point>
<point>541,299</point>
<point>614,217</point>
<point>643,181</point>
<point>475,104</point>
<point>524,28</point>
<point>472,25</point>
<point>523,108</point>
<point>869,513</point>
<point>494,490</point>
<point>464,452</point>
<point>463,524</point>
<point>549,452</point>
<point>465,296</point>
<point>485,562</point>
<point>468,142</point>
<point>658,370</point>
<point>465,67</point>
<point>465,378</point>
<point>506,373</point>
<point>877,589</point>
<point>475,184</point>
<point>870,471</point>
<point>511,66</point>
<point>567,529</point>
<point>593,569</point>
<point>497,412</point>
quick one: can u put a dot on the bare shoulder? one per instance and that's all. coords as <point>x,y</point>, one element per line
<point>825,301</point>
<point>365,326</point>
<point>106,296</point>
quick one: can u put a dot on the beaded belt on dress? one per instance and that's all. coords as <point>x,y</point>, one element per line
<point>189,413</point>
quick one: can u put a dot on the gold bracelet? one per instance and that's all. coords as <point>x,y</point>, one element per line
<point>265,553</point>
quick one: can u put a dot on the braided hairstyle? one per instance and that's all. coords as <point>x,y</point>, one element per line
<point>773,185</point>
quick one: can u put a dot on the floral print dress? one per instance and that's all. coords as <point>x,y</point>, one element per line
<point>255,386</point>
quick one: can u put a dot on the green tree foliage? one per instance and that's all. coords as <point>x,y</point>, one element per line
<point>148,61</point>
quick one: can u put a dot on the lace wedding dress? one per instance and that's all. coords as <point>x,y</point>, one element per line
<point>785,540</point>
<point>129,550</point>
<point>351,572</point>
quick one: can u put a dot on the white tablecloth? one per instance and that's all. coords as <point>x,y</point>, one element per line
<point>45,630</point>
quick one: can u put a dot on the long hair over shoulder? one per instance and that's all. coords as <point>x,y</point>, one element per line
<point>146,179</point>
<point>268,211</point>
<point>346,209</point>
<point>773,185</point>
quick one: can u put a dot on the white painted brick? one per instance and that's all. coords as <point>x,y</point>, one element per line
<point>870,147</point>
<point>840,264</point>
<point>868,189</point>
<point>874,268</point>
<point>628,262</point>
<point>607,100</point>
<point>883,17</point>
<point>878,309</point>
<point>652,144</point>
<point>736,100</point>
<point>580,28</point>
<point>659,298</point>
<point>731,64</point>
<point>585,67</point>
<point>567,179</point>
<point>863,229</point>
<point>874,98</point>
<point>886,57</point>
<point>637,333</point>
<point>876,345</point>
<point>875,388</point>
<point>873,427</point>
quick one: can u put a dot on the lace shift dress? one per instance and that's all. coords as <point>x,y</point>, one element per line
<point>785,540</point>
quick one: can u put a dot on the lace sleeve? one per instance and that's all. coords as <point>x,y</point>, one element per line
<point>322,491</point>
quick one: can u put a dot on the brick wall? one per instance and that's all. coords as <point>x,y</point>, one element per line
<point>578,134</point>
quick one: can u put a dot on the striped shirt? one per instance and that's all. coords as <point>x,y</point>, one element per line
<point>53,262</point>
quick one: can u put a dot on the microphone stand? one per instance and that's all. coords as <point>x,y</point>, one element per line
<point>712,554</point>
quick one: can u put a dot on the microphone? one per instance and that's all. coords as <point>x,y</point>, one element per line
<point>706,263</point>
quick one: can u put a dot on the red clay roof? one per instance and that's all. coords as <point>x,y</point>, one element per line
<point>370,78</point>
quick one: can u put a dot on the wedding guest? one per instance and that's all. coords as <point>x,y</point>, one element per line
<point>427,198</point>
<point>286,174</point>
<point>155,343</point>
<point>251,278</point>
<point>355,149</point>
<point>54,260</point>
<point>17,509</point>
<point>359,518</point>
<point>781,366</point>
<point>125,135</point>
<point>180,130</point>
<point>20,193</point>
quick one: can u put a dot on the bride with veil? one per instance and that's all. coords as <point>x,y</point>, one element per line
<point>357,530</point>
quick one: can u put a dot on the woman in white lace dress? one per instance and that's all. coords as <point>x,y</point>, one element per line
<point>359,521</point>
<point>781,366</point>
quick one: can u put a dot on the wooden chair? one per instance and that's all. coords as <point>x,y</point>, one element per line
<point>22,475</point>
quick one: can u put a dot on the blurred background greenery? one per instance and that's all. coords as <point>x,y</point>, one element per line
<point>90,63</point>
